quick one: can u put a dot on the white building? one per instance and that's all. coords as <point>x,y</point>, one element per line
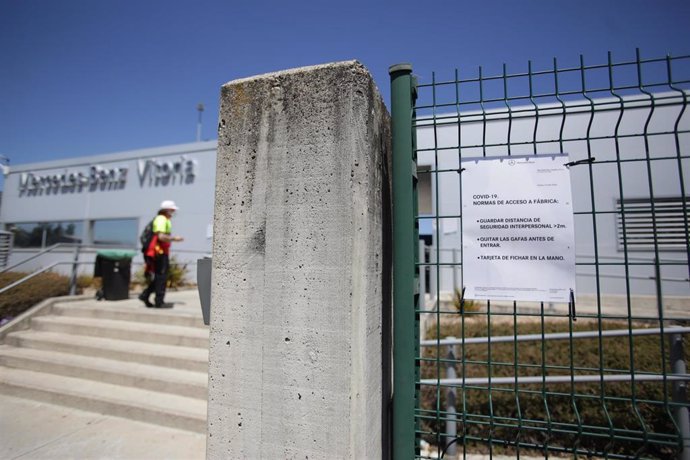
<point>105,201</point>
<point>640,152</point>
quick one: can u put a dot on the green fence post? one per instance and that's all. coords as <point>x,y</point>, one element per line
<point>404,245</point>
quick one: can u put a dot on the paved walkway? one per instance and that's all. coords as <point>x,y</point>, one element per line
<point>36,430</point>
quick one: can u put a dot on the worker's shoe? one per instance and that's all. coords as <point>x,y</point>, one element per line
<point>164,305</point>
<point>146,300</point>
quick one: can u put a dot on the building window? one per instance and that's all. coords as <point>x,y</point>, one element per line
<point>43,234</point>
<point>669,216</point>
<point>115,232</point>
<point>425,208</point>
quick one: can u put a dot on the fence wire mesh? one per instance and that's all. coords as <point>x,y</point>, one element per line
<point>605,375</point>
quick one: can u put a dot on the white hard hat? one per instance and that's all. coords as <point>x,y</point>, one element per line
<point>169,204</point>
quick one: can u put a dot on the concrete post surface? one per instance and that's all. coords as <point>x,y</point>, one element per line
<point>300,275</point>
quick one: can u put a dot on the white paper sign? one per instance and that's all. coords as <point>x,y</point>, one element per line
<point>518,237</point>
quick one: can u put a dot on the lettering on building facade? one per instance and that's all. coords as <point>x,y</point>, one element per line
<point>96,178</point>
<point>154,172</point>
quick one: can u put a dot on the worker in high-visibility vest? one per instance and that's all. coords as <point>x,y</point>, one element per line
<point>157,255</point>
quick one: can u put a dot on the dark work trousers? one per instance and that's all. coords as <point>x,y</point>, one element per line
<point>161,265</point>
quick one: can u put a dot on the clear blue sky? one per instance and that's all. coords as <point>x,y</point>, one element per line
<point>84,77</point>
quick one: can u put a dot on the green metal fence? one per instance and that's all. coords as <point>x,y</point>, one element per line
<point>603,376</point>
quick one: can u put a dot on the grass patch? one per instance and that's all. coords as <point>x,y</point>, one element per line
<point>24,296</point>
<point>596,418</point>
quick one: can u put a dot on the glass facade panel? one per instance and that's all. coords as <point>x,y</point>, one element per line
<point>64,232</point>
<point>42,234</point>
<point>120,232</point>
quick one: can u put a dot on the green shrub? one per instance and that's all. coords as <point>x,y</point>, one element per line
<point>24,296</point>
<point>463,305</point>
<point>621,410</point>
<point>177,275</point>
<point>85,281</point>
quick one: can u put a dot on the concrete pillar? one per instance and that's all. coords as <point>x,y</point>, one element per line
<point>301,279</point>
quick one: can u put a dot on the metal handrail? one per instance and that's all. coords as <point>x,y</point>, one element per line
<point>88,246</point>
<point>529,380</point>
<point>453,381</point>
<point>41,270</point>
<point>29,276</point>
<point>78,246</point>
<point>74,263</point>
<point>73,278</point>
<point>556,336</point>
<point>38,254</point>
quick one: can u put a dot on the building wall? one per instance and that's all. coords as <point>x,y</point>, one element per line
<point>125,185</point>
<point>659,120</point>
<point>138,197</point>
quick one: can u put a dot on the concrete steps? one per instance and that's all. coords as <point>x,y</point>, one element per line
<point>155,316</point>
<point>146,406</point>
<point>191,358</point>
<point>144,364</point>
<point>143,376</point>
<point>123,330</point>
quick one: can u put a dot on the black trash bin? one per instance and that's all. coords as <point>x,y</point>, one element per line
<point>115,268</point>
